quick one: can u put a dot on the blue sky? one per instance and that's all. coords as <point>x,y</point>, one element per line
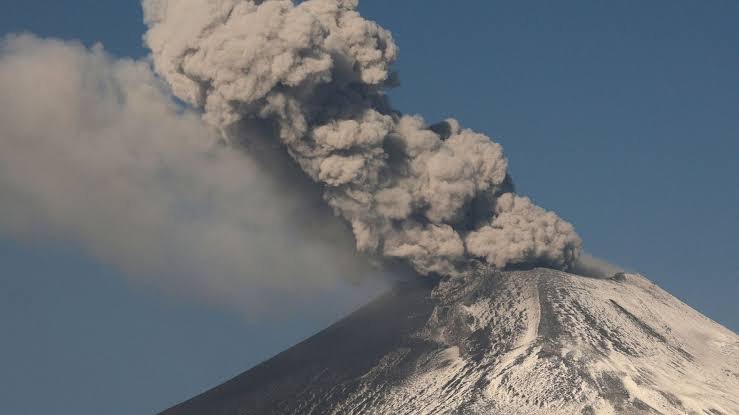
<point>621,116</point>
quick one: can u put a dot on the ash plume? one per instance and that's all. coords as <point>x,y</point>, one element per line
<point>94,152</point>
<point>316,73</point>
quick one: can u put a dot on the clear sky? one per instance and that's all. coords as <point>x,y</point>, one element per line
<point>622,116</point>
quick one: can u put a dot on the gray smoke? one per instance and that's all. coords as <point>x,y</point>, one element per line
<point>94,151</point>
<point>316,73</point>
<point>591,266</point>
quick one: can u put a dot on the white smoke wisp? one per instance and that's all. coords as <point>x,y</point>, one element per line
<point>94,150</point>
<point>436,196</point>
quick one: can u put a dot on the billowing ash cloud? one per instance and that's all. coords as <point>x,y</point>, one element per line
<point>315,73</point>
<point>93,150</point>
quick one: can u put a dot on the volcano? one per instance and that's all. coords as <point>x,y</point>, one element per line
<point>500,342</point>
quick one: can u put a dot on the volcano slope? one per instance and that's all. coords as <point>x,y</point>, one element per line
<point>519,342</point>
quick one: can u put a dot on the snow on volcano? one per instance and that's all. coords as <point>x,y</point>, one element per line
<point>516,342</point>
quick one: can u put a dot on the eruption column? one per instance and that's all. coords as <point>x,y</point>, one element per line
<point>316,72</point>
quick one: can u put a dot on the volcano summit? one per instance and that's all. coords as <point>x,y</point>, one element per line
<point>509,343</point>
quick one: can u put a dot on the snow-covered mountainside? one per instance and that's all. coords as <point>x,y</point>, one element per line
<point>509,343</point>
